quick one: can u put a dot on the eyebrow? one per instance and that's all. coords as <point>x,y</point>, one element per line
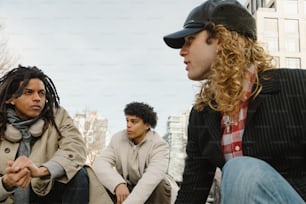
<point>28,89</point>
<point>133,119</point>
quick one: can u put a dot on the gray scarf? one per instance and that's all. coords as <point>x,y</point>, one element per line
<point>22,196</point>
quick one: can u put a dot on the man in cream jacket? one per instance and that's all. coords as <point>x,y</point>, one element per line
<point>133,167</point>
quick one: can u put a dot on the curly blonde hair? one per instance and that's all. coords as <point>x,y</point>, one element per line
<point>222,90</point>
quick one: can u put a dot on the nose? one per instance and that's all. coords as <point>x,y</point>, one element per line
<point>184,50</point>
<point>36,97</point>
<point>128,124</point>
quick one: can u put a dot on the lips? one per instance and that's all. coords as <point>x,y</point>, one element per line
<point>36,107</point>
<point>187,63</point>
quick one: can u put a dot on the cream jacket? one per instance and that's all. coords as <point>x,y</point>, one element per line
<point>153,165</point>
<point>68,150</point>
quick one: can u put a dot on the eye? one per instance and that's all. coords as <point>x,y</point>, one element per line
<point>42,93</point>
<point>27,92</point>
<point>189,39</point>
<point>134,121</point>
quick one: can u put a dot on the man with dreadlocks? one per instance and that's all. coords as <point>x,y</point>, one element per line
<point>42,152</point>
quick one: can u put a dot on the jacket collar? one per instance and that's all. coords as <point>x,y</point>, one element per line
<point>270,81</point>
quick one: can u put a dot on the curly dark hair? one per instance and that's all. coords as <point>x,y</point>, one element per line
<point>12,85</point>
<point>143,111</point>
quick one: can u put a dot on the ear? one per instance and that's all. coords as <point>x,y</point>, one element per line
<point>11,101</point>
<point>148,126</point>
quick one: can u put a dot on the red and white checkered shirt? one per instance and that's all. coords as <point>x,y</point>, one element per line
<point>233,129</point>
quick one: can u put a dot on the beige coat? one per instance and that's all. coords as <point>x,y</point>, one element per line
<point>97,193</point>
<point>68,150</point>
<point>153,164</point>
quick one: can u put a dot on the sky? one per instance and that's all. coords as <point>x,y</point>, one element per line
<point>103,54</point>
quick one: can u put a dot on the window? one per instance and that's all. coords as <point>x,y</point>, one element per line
<point>271,34</point>
<point>291,6</point>
<point>292,62</point>
<point>291,26</point>
<point>271,43</point>
<point>292,42</point>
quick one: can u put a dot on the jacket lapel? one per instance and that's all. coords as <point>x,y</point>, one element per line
<point>213,119</point>
<point>270,85</point>
<point>143,152</point>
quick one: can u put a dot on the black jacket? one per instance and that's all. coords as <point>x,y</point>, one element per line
<point>275,132</point>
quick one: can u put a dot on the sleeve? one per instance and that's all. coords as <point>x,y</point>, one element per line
<point>153,175</point>
<point>3,192</point>
<point>71,153</point>
<point>55,169</point>
<point>198,172</point>
<point>104,166</point>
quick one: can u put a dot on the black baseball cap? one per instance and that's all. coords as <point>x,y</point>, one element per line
<point>229,13</point>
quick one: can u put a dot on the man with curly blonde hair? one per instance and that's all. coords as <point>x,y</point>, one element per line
<point>248,119</point>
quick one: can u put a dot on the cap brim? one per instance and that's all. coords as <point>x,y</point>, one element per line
<point>176,40</point>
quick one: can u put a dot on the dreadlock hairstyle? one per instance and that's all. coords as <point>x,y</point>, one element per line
<point>222,90</point>
<point>12,85</point>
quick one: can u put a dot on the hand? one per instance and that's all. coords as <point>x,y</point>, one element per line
<point>122,192</point>
<point>24,162</point>
<point>16,177</point>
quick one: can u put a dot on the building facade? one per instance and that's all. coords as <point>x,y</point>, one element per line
<point>281,27</point>
<point>177,138</point>
<point>94,131</point>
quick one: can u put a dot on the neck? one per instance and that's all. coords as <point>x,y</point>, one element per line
<point>138,140</point>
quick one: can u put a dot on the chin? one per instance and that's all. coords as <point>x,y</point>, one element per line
<point>190,77</point>
<point>194,78</point>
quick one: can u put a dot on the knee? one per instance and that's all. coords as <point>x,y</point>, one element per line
<point>80,178</point>
<point>161,194</point>
<point>163,187</point>
<point>243,169</point>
